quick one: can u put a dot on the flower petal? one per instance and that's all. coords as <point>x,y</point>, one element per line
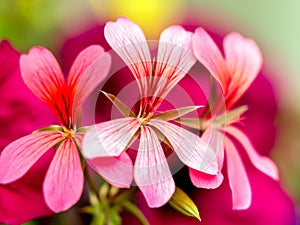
<point>174,59</point>
<point>207,52</point>
<point>17,158</point>
<point>23,199</point>
<point>89,68</point>
<point>263,163</point>
<point>43,76</point>
<point>203,180</point>
<point>190,148</point>
<point>129,41</point>
<point>243,60</point>
<point>238,179</point>
<point>118,171</point>
<point>109,138</point>
<point>63,183</point>
<point>151,170</point>
<point>41,73</point>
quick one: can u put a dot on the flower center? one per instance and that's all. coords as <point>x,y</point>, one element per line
<point>69,133</point>
<point>144,119</point>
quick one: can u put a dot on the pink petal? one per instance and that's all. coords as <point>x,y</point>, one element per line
<point>89,68</point>
<point>151,170</point>
<point>129,41</point>
<point>63,183</point>
<point>263,163</point>
<point>41,73</point>
<point>238,179</point>
<point>207,52</point>
<point>243,60</point>
<point>174,59</point>
<point>203,180</point>
<point>109,138</point>
<point>43,76</point>
<point>23,199</point>
<point>190,148</point>
<point>118,171</point>
<point>18,157</point>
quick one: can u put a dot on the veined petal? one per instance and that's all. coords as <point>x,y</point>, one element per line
<point>89,68</point>
<point>238,179</point>
<point>18,157</point>
<point>243,60</point>
<point>109,138</point>
<point>43,76</point>
<point>151,170</point>
<point>203,180</point>
<point>63,183</point>
<point>263,163</point>
<point>174,59</point>
<point>129,41</point>
<point>41,73</point>
<point>190,148</point>
<point>207,52</point>
<point>118,171</point>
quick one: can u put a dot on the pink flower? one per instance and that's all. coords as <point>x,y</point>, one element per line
<point>41,73</point>
<point>214,205</point>
<point>151,171</point>
<point>235,72</point>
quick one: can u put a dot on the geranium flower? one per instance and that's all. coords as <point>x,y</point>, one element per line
<point>41,73</point>
<point>214,206</point>
<point>234,71</point>
<point>111,138</point>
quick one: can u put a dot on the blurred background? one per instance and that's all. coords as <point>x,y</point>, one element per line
<point>273,24</point>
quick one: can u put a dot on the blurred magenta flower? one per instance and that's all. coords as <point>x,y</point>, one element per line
<point>18,119</point>
<point>151,171</point>
<point>235,72</point>
<point>63,184</point>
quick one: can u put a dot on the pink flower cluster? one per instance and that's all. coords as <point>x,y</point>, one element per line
<point>104,146</point>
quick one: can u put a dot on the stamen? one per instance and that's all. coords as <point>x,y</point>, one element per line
<point>145,119</point>
<point>69,134</point>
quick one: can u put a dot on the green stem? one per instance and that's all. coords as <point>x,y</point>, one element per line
<point>106,212</point>
<point>136,211</point>
<point>124,196</point>
<point>91,183</point>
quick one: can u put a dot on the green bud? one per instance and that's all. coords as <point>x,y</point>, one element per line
<point>183,204</point>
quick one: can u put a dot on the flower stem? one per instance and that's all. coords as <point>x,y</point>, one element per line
<point>91,183</point>
<point>136,211</point>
